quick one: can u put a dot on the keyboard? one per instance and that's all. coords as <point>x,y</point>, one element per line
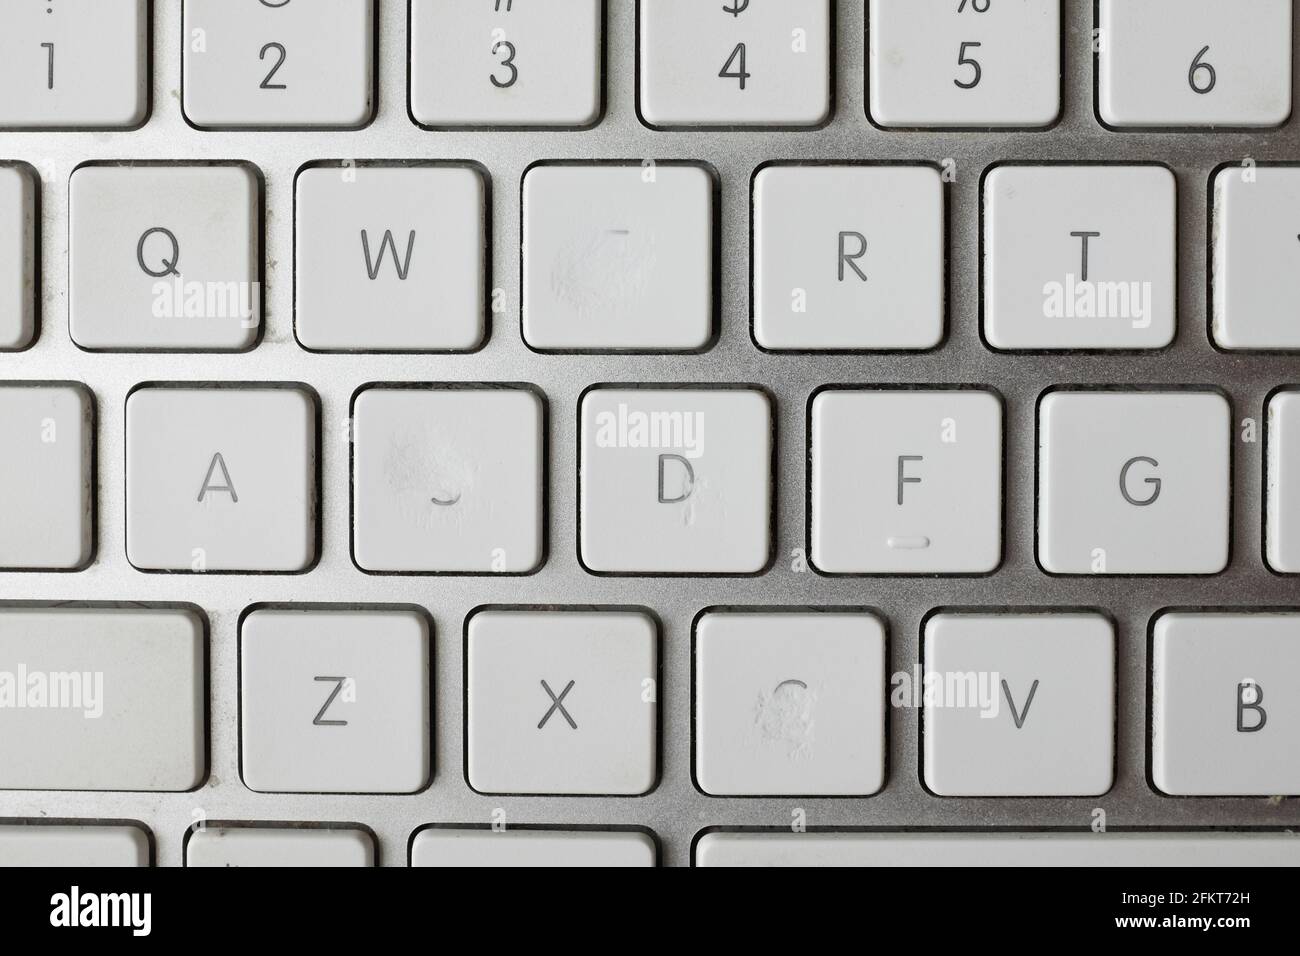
<point>493,432</point>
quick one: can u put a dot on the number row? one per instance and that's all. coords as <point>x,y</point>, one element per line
<point>294,64</point>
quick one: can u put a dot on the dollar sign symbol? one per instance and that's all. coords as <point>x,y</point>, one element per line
<point>737,7</point>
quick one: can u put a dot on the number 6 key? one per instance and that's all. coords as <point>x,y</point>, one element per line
<point>1169,63</point>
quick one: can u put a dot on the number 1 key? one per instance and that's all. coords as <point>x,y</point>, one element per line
<point>73,64</point>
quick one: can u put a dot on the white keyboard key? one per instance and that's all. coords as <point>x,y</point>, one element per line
<point>561,702</point>
<point>848,257</point>
<point>1024,705</point>
<point>18,279</point>
<point>735,63</point>
<point>281,64</point>
<point>1283,530</point>
<point>102,699</point>
<point>165,257</point>
<point>243,845</point>
<point>965,63</point>
<point>73,844</point>
<point>502,63</point>
<point>618,257</point>
<point>390,258</point>
<point>789,703</point>
<point>1256,257</point>
<point>46,491</point>
<point>74,64</point>
<point>1195,849</point>
<point>221,479</point>
<point>335,701</point>
<point>675,481</point>
<point>466,846</point>
<point>1079,257</point>
<point>449,480</point>
<point>906,482</point>
<point>1223,704</point>
<point>1194,62</point>
<point>1134,482</point>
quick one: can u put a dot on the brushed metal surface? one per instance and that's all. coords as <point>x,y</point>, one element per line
<point>675,810</point>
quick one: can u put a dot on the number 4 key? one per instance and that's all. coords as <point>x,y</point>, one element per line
<point>735,63</point>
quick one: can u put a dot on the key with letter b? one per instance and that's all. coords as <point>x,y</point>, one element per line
<point>1223,704</point>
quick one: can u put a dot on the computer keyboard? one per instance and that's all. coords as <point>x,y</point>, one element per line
<point>504,432</point>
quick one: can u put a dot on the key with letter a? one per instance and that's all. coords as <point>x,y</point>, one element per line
<point>221,479</point>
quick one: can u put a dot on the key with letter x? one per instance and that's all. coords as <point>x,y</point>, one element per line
<point>557,703</point>
<point>595,734</point>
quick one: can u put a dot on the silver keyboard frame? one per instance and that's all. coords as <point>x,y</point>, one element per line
<point>675,810</point>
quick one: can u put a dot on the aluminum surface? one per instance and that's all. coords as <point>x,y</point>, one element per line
<point>675,810</point>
